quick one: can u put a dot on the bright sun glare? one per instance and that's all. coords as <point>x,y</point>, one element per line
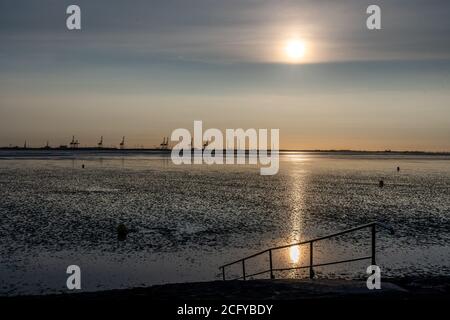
<point>294,254</point>
<point>295,49</point>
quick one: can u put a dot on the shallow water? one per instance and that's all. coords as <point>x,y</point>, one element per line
<point>188,220</point>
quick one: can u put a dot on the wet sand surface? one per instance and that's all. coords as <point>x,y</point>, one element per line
<point>188,220</point>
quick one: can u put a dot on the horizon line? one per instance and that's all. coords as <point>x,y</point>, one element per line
<point>16,148</point>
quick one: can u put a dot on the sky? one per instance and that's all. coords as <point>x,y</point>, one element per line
<point>141,69</point>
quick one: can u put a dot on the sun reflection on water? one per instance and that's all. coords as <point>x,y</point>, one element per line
<point>294,254</point>
<point>297,184</point>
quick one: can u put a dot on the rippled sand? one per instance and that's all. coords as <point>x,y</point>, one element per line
<point>187,220</point>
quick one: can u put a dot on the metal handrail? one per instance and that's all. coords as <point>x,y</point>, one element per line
<point>371,225</point>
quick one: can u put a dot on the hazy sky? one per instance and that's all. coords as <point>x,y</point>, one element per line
<point>144,68</point>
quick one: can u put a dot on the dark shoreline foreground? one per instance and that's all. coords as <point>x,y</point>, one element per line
<point>287,299</point>
<point>263,290</point>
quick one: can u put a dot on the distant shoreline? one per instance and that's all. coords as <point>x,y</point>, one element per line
<point>158,150</point>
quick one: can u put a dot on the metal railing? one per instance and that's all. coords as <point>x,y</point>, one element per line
<point>311,265</point>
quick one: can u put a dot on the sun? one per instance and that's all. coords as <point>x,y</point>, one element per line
<point>295,50</point>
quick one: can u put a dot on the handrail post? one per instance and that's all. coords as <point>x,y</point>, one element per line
<point>271,266</point>
<point>243,269</point>
<point>373,244</point>
<point>311,270</point>
<point>223,273</point>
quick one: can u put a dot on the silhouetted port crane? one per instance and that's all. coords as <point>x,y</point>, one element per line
<point>122,144</point>
<point>165,143</point>
<point>100,143</point>
<point>74,143</point>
